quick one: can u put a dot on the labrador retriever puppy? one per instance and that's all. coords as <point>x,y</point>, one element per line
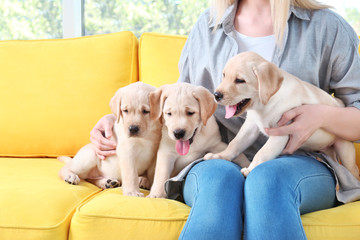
<point>265,92</point>
<point>137,135</point>
<point>189,130</point>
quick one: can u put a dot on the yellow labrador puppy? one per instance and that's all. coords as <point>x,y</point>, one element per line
<point>137,135</point>
<point>265,92</point>
<point>189,130</point>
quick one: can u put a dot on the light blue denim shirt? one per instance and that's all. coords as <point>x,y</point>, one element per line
<point>319,47</point>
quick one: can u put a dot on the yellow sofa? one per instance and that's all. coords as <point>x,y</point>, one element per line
<point>52,92</point>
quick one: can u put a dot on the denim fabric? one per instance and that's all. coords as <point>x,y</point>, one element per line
<point>271,198</point>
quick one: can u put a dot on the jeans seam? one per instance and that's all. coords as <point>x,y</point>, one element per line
<point>304,178</point>
<point>192,207</point>
<point>296,203</point>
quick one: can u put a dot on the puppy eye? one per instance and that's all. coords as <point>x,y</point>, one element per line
<point>190,113</point>
<point>125,111</point>
<point>238,80</point>
<point>145,111</point>
<point>223,74</point>
<point>169,113</point>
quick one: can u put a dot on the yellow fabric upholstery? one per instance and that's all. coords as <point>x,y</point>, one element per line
<point>35,203</point>
<point>110,215</point>
<point>52,92</point>
<point>333,224</point>
<point>159,55</point>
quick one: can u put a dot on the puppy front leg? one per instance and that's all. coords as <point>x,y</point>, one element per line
<point>347,153</point>
<point>129,175</point>
<point>164,167</point>
<point>246,136</point>
<point>271,149</point>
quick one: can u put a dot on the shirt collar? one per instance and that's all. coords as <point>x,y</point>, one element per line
<point>300,13</point>
<point>227,21</point>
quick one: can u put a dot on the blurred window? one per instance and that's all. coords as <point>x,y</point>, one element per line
<point>348,9</point>
<point>42,19</point>
<point>139,16</point>
<point>30,19</point>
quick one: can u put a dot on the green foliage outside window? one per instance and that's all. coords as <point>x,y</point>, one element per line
<point>139,16</point>
<point>353,16</point>
<point>39,19</point>
<point>30,19</point>
<point>42,19</point>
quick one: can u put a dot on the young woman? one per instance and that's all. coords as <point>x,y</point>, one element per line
<point>311,42</point>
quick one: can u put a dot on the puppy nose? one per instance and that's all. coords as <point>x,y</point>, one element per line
<point>133,129</point>
<point>218,96</point>
<point>179,133</point>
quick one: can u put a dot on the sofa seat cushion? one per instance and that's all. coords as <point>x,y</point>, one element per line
<point>110,215</point>
<point>36,203</point>
<point>52,92</point>
<point>341,222</point>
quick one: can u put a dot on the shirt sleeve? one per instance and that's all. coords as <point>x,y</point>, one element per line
<point>345,66</point>
<point>185,64</point>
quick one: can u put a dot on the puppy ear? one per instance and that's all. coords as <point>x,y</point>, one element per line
<point>207,103</point>
<point>269,80</point>
<point>115,104</point>
<point>156,100</point>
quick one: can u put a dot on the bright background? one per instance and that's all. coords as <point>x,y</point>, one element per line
<point>39,19</point>
<point>349,9</point>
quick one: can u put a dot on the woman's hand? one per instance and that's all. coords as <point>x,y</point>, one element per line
<point>299,123</point>
<point>101,134</point>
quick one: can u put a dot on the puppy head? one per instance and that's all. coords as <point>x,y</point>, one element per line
<point>248,80</point>
<point>184,109</point>
<point>131,106</point>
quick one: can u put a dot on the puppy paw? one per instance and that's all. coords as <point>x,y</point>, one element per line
<point>112,183</point>
<point>156,195</point>
<point>245,171</point>
<point>72,179</point>
<point>211,156</point>
<point>144,182</point>
<point>133,194</point>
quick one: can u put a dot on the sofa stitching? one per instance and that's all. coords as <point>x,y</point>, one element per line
<point>69,214</point>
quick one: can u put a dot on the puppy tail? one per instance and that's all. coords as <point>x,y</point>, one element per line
<point>64,159</point>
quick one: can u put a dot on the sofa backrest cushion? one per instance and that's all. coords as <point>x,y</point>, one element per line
<point>159,55</point>
<point>52,92</point>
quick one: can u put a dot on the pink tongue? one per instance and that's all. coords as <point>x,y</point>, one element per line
<point>230,111</point>
<point>182,147</point>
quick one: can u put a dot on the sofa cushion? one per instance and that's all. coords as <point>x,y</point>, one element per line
<point>159,55</point>
<point>110,215</point>
<point>341,222</point>
<point>36,204</point>
<point>52,92</point>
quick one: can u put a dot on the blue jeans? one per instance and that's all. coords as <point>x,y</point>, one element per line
<point>266,206</point>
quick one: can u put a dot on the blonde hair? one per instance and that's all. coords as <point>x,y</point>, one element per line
<point>279,12</point>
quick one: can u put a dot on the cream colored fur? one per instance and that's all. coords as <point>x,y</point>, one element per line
<point>134,162</point>
<point>272,92</point>
<point>189,108</point>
